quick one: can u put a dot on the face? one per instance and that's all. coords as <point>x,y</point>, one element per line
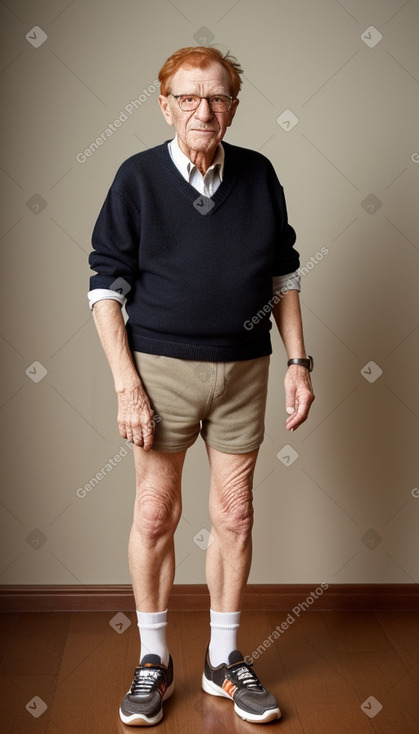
<point>199,131</point>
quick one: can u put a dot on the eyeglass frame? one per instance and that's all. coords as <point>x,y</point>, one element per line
<point>177,98</point>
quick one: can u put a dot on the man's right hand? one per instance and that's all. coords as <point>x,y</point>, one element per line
<point>136,419</point>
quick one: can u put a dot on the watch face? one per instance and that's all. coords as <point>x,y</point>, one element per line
<point>310,359</point>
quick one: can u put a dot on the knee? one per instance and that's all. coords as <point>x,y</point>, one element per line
<point>233,513</point>
<point>156,514</point>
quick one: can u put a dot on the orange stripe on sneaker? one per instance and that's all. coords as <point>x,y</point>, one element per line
<point>162,688</point>
<point>229,687</point>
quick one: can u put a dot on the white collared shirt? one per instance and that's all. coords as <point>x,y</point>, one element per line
<point>207,184</point>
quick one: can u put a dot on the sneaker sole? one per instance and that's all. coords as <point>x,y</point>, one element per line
<point>143,720</point>
<point>214,690</point>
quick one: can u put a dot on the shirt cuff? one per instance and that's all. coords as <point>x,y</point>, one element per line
<point>101,294</point>
<point>284,283</point>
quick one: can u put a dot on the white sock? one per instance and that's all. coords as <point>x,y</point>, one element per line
<point>224,626</point>
<point>152,627</point>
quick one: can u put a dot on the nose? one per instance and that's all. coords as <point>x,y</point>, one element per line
<point>203,111</point>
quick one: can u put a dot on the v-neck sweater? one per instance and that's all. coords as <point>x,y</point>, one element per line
<point>196,271</point>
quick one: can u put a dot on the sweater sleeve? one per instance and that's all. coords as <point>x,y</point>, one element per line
<point>286,258</point>
<point>116,241</point>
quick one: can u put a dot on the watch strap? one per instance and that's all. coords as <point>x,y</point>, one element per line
<point>307,362</point>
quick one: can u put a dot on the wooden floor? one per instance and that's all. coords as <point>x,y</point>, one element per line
<point>65,673</point>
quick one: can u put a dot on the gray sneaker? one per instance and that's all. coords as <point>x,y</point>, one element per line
<point>237,681</point>
<point>153,683</point>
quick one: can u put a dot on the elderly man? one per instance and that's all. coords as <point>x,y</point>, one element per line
<point>193,237</point>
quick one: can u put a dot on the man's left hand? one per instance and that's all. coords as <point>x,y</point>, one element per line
<point>298,395</point>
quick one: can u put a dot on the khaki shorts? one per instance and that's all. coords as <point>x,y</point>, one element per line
<point>224,401</point>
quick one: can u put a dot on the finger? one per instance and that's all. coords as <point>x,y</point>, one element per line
<point>148,434</point>
<point>137,437</point>
<point>144,439</point>
<point>290,399</point>
<point>291,402</point>
<point>148,441</point>
<point>123,430</point>
<point>300,414</point>
<point>294,422</point>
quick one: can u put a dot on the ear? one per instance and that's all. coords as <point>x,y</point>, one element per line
<point>232,111</point>
<point>165,108</point>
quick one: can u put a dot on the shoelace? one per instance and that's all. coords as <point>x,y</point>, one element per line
<point>247,677</point>
<point>145,680</point>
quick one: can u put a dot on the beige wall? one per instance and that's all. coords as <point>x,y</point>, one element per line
<point>347,509</point>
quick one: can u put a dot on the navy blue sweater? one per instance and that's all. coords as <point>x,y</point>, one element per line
<point>198,269</point>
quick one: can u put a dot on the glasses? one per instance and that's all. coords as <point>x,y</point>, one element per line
<point>191,102</point>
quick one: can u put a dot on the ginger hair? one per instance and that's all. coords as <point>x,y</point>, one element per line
<point>200,56</point>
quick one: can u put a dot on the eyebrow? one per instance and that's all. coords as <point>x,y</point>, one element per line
<point>195,94</point>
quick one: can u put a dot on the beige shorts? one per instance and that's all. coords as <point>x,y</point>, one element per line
<point>224,401</point>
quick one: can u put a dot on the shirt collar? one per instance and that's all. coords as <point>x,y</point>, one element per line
<point>186,167</point>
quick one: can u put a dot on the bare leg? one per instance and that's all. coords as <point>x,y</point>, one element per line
<point>157,510</point>
<point>229,555</point>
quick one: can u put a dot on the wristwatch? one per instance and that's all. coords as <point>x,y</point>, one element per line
<point>307,362</point>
